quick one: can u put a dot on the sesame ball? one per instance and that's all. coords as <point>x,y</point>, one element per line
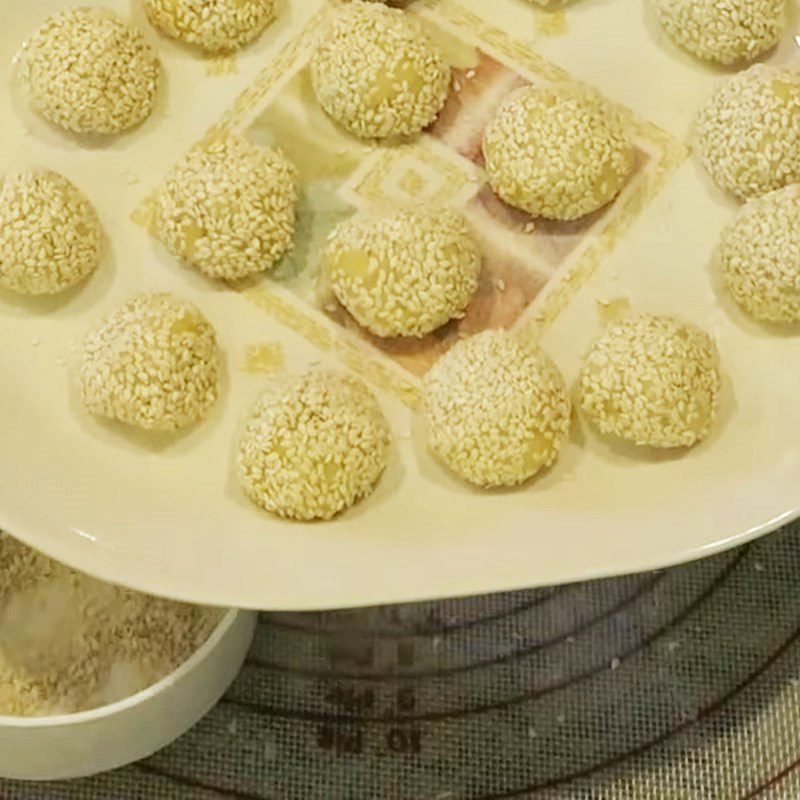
<point>558,152</point>
<point>50,237</point>
<point>497,411</point>
<point>213,25</point>
<point>228,208</point>
<point>759,255</point>
<point>725,31</point>
<point>153,362</point>
<point>748,131</point>
<point>312,448</point>
<point>89,71</point>
<point>405,273</point>
<point>652,380</point>
<point>377,74</point>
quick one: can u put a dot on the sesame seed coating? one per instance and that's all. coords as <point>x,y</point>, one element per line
<point>228,208</point>
<point>497,411</point>
<point>748,131</point>
<point>153,362</point>
<point>558,152</point>
<point>377,74</point>
<point>89,71</point>
<point>759,255</point>
<point>314,447</point>
<point>213,25</point>
<point>50,237</point>
<point>725,31</point>
<point>652,380</point>
<point>405,273</point>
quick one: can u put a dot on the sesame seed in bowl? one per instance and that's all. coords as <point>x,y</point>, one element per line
<point>403,273</point>
<point>228,208</point>
<point>558,152</point>
<point>759,256</point>
<point>153,362</point>
<point>653,381</point>
<point>748,131</point>
<point>94,676</point>
<point>377,73</point>
<point>313,447</point>
<point>218,26</point>
<point>497,410</point>
<point>50,236</point>
<point>725,31</point>
<point>90,72</point>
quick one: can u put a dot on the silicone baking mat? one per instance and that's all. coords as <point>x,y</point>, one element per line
<point>680,684</point>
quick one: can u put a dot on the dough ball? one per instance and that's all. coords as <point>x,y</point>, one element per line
<point>558,152</point>
<point>50,236</point>
<point>228,208</point>
<point>377,74</point>
<point>153,362</point>
<point>314,447</point>
<point>405,273</point>
<point>725,31</point>
<point>497,411</point>
<point>216,26</point>
<point>759,255</point>
<point>748,131</point>
<point>652,380</point>
<point>89,71</point>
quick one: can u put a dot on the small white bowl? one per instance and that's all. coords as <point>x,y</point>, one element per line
<point>78,745</point>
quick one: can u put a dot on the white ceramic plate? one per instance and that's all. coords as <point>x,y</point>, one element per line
<point>165,516</point>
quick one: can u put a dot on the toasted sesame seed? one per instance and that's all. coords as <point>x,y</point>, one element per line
<point>652,380</point>
<point>213,25</point>
<point>153,362</point>
<point>89,71</point>
<point>759,255</point>
<point>497,411</point>
<point>558,152</point>
<point>725,31</point>
<point>404,273</point>
<point>228,208</point>
<point>377,73</point>
<point>50,237</point>
<point>748,131</point>
<point>313,447</point>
